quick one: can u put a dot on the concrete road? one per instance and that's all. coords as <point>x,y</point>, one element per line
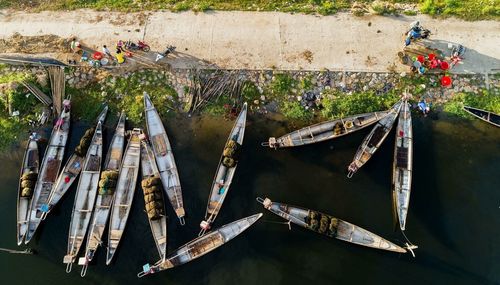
<point>267,40</point>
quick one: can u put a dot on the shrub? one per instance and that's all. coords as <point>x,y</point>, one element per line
<point>294,111</point>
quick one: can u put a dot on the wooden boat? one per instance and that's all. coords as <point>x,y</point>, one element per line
<point>27,180</point>
<point>85,198</point>
<point>225,170</point>
<point>201,245</point>
<point>402,165</point>
<point>329,226</point>
<point>326,130</point>
<point>49,169</point>
<point>153,197</point>
<point>105,194</point>
<point>164,158</point>
<point>72,168</point>
<point>484,115</point>
<point>124,194</point>
<point>374,140</point>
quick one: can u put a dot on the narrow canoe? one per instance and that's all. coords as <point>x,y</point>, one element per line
<point>27,180</point>
<point>224,175</point>
<point>154,198</point>
<point>71,170</point>
<point>374,140</point>
<point>329,226</point>
<point>124,194</point>
<point>201,245</point>
<point>402,165</point>
<point>484,115</point>
<point>49,169</point>
<point>85,198</point>
<point>105,195</point>
<point>326,130</point>
<point>164,158</point>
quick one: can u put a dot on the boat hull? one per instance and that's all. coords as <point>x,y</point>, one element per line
<point>330,226</point>
<point>486,116</point>
<point>402,165</point>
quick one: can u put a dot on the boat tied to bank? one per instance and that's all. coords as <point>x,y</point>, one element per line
<point>85,198</point>
<point>49,169</point>
<point>331,226</point>
<point>484,115</point>
<point>201,245</point>
<point>154,199</point>
<point>326,130</point>
<point>27,180</point>
<point>402,165</point>
<point>374,140</point>
<point>225,170</point>
<point>164,158</point>
<point>105,194</point>
<point>124,194</point>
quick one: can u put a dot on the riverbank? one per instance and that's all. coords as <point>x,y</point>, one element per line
<point>300,97</point>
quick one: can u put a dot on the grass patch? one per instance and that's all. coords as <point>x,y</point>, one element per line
<point>294,111</point>
<point>338,105</point>
<point>282,84</point>
<point>486,101</point>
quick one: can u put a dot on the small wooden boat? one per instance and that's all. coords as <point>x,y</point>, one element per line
<point>374,140</point>
<point>201,245</point>
<point>329,226</point>
<point>72,168</point>
<point>326,130</point>
<point>402,165</point>
<point>153,197</point>
<point>85,198</point>
<point>125,189</point>
<point>104,200</point>
<point>164,158</point>
<point>27,180</point>
<point>49,169</point>
<point>225,171</point>
<point>484,115</point>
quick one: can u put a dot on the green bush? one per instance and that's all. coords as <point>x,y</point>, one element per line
<point>294,111</point>
<point>485,100</point>
<point>338,105</point>
<point>250,92</point>
<point>282,84</point>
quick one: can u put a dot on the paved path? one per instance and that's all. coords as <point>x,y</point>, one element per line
<point>265,40</point>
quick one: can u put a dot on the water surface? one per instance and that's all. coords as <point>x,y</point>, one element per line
<point>453,217</point>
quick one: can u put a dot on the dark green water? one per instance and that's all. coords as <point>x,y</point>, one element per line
<point>453,217</point>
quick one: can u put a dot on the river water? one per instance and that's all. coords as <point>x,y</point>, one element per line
<point>453,217</point>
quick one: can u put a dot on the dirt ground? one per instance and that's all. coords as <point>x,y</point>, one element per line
<point>256,40</point>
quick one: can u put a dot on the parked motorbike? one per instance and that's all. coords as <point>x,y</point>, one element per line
<point>413,35</point>
<point>129,45</point>
<point>170,49</point>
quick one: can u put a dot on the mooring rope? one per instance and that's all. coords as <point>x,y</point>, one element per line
<point>26,251</point>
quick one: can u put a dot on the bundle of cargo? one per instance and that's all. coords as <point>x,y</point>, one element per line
<point>28,181</point>
<point>153,197</point>
<point>81,149</point>
<point>107,184</point>
<point>230,153</point>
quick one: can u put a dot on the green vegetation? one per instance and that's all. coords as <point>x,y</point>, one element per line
<point>294,111</point>
<point>486,100</point>
<point>122,93</point>
<point>282,84</point>
<point>337,104</point>
<point>466,9</point>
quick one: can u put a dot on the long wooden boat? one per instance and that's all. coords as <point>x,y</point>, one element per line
<point>326,130</point>
<point>153,197</point>
<point>329,226</point>
<point>72,168</point>
<point>484,115</point>
<point>374,140</point>
<point>164,158</point>
<point>49,169</point>
<point>402,165</point>
<point>105,194</point>
<point>85,198</point>
<point>201,245</point>
<point>27,180</point>
<point>225,170</point>
<point>125,189</point>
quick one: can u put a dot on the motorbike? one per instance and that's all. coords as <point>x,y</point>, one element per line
<point>129,45</point>
<point>170,49</point>
<point>414,35</point>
